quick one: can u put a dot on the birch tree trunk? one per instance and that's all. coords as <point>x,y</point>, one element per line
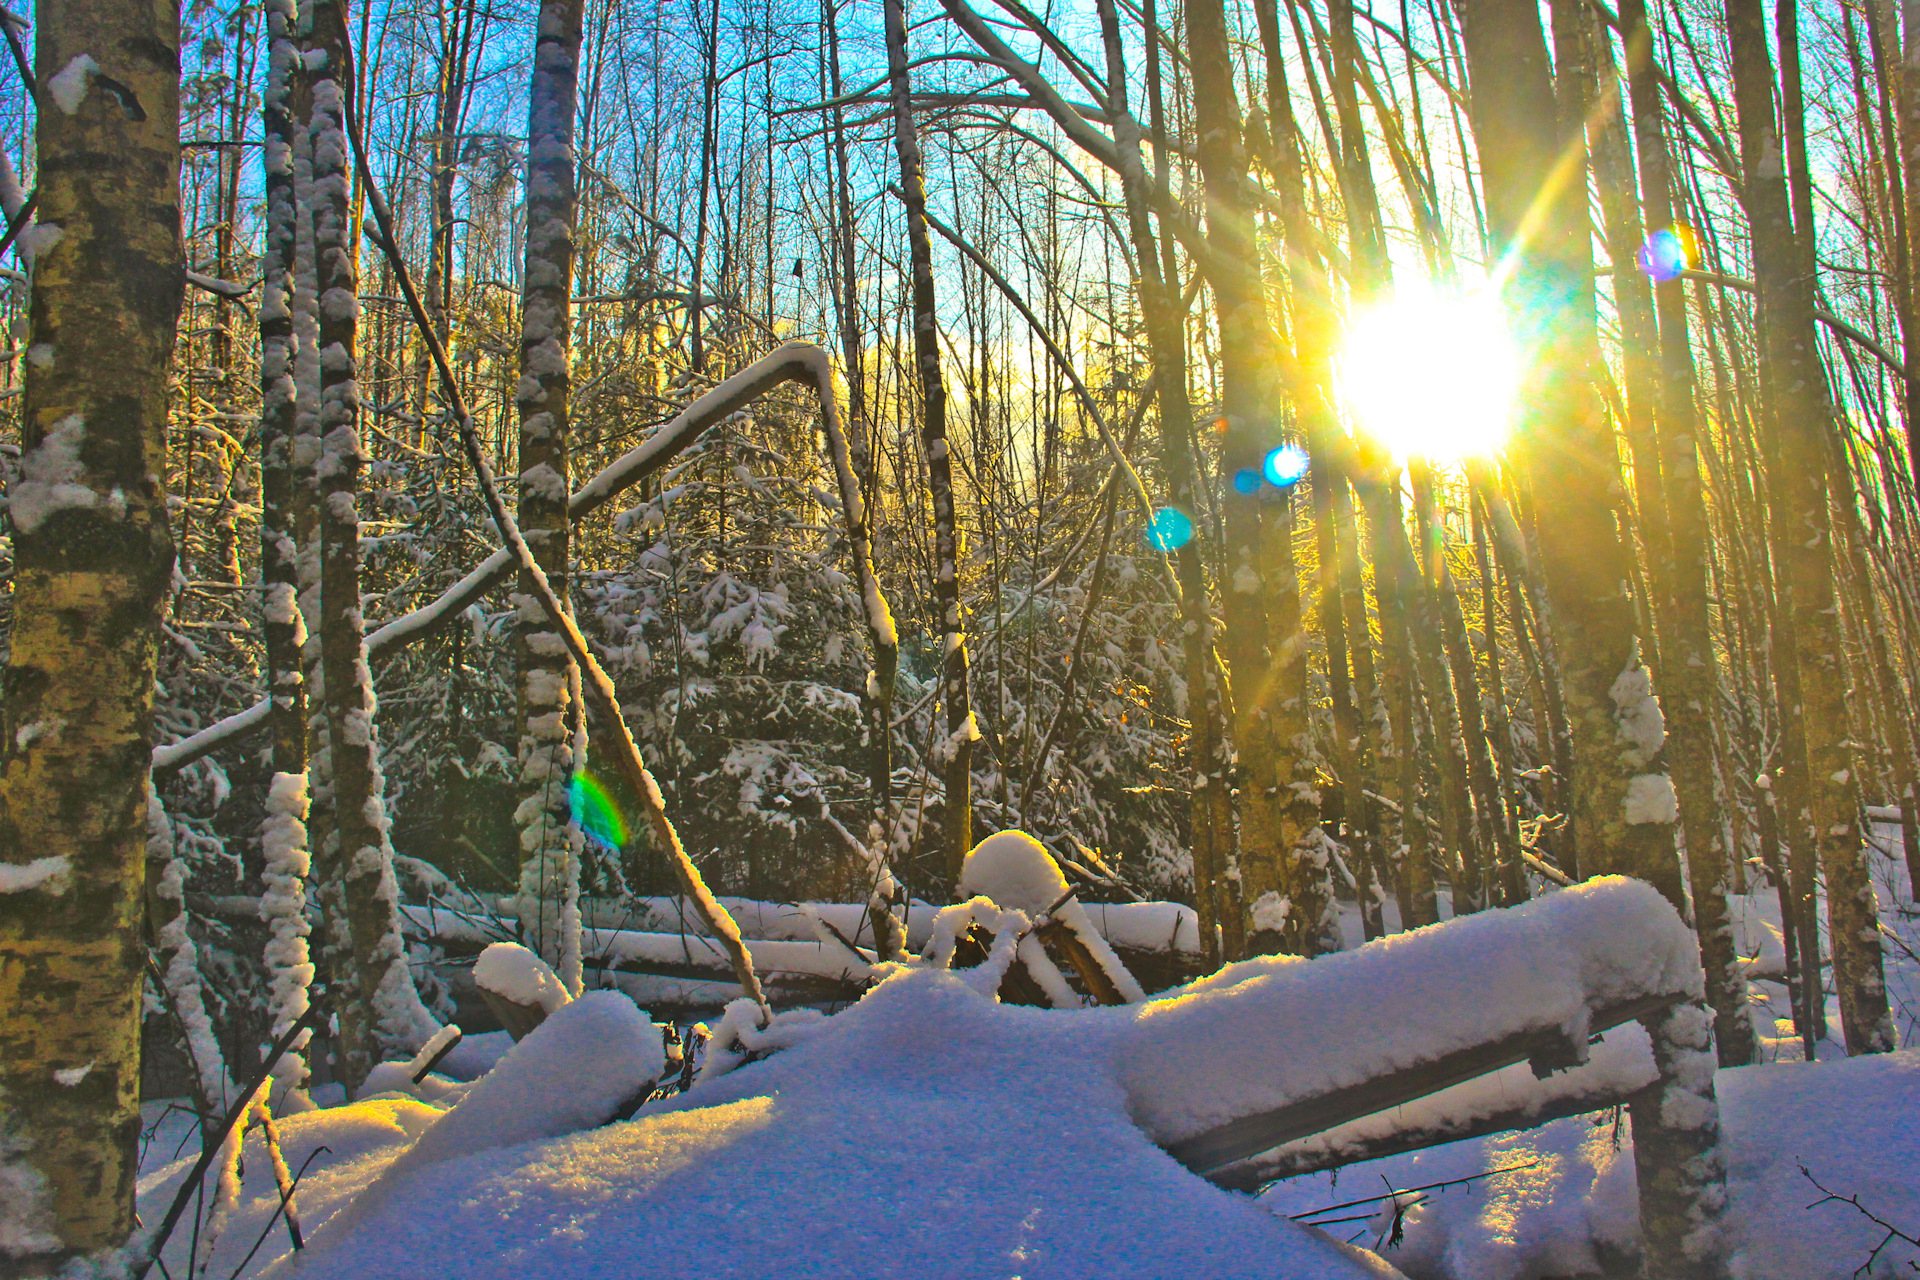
<point>284,832</point>
<point>957,752</point>
<point>548,872</point>
<point>93,561</point>
<point>383,1014</point>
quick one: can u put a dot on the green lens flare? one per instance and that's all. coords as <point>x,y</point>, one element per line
<point>594,809</point>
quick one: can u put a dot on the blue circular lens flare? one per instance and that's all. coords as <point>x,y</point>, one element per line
<point>1247,480</point>
<point>1170,529</point>
<point>1286,466</point>
<point>1664,256</point>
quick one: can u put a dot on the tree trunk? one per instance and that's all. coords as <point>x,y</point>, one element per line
<point>284,832</point>
<point>544,673</point>
<point>93,559</point>
<point>1166,344</point>
<point>383,1014</point>
<point>1282,858</point>
<point>957,751</point>
<point>1691,677</point>
<point>1622,807</point>
<point>1797,416</point>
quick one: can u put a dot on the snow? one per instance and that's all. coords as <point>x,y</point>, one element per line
<point>1651,798</point>
<point>1269,1032</point>
<point>1620,1064</point>
<point>1640,725</point>
<point>69,84</point>
<point>514,973</point>
<point>574,1071</point>
<point>1852,1124</point>
<point>50,476</point>
<point>283,905</point>
<point>52,874</point>
<point>1014,870</point>
<point>926,1132</point>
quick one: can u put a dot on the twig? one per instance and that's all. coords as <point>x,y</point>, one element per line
<point>1893,1232</point>
<point>19,221</point>
<point>1431,1186</point>
<point>286,1199</point>
<point>215,1141</point>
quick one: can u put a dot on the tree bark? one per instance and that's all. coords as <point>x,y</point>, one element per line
<point>383,1014</point>
<point>1621,803</point>
<point>1797,417</point>
<point>284,832</point>
<point>93,558</point>
<point>1166,345</point>
<point>1691,676</point>
<point>544,673</point>
<point>962,732</point>
<point>1282,857</point>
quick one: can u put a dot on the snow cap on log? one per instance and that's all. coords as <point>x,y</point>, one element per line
<point>1216,1053</point>
<point>520,987</point>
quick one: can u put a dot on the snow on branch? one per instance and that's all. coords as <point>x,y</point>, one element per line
<point>792,362</point>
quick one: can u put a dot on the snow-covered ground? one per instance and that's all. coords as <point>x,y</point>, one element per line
<point>929,1131</point>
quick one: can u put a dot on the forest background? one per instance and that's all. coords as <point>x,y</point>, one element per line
<point>1096,538</point>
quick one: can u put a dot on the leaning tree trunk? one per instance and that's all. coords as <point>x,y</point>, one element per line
<point>383,1014</point>
<point>1797,416</point>
<point>93,558</point>
<point>957,751</point>
<point>283,834</point>
<point>548,873</point>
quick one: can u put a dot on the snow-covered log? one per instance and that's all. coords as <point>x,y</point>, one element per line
<point>1513,1097</point>
<point>1270,1051</point>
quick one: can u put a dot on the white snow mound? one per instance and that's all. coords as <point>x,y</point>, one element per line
<point>510,970</point>
<point>572,1072</point>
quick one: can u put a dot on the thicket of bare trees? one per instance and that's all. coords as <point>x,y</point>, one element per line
<point>1082,271</point>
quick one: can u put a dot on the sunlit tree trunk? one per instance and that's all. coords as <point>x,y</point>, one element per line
<point>957,751</point>
<point>1282,855</point>
<point>1167,349</point>
<point>1691,677</point>
<point>93,558</point>
<point>1623,807</point>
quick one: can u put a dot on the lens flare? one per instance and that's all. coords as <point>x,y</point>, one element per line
<point>595,810</point>
<point>1432,375</point>
<point>1667,253</point>
<point>1247,480</point>
<point>1286,466</point>
<point>1170,529</point>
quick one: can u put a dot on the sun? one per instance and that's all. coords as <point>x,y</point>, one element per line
<point>1431,374</point>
